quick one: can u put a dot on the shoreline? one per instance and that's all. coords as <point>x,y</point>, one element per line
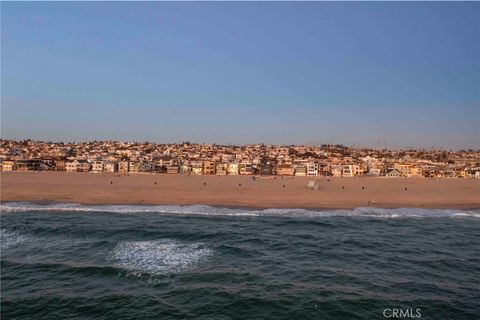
<point>239,192</point>
<point>46,202</point>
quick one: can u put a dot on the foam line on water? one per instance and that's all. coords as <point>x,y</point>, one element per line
<point>203,210</point>
<point>158,256</point>
<point>10,238</point>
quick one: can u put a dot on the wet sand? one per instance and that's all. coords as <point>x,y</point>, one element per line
<point>239,191</point>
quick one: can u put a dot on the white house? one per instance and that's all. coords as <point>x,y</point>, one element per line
<point>8,165</point>
<point>348,171</point>
<point>71,166</point>
<point>97,166</point>
<point>233,168</point>
<point>110,166</point>
<point>221,168</point>
<point>312,169</point>
<point>336,171</point>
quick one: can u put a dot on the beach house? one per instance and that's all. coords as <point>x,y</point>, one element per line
<point>265,169</point>
<point>408,169</point>
<point>300,170</point>
<point>110,166</point>
<point>208,167</point>
<point>347,171</point>
<point>83,166</point>
<point>185,168</point>
<point>197,167</point>
<point>8,165</point>
<point>472,173</point>
<point>173,169</point>
<point>336,170</point>
<point>460,172</point>
<point>30,165</point>
<point>71,166</point>
<point>246,168</point>
<point>233,168</point>
<point>312,169</point>
<point>146,166</point>
<point>60,165</point>
<point>448,173</point>
<point>429,171</point>
<point>285,170</point>
<point>123,166</point>
<point>221,168</point>
<point>393,173</point>
<point>97,166</point>
<point>324,169</point>
<point>134,167</point>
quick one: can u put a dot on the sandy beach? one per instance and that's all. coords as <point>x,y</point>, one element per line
<point>241,191</point>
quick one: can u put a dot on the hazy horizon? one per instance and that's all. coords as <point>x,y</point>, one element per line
<point>382,75</point>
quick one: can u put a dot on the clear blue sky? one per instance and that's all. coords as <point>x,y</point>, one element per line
<point>376,74</point>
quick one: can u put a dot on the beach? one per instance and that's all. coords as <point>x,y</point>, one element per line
<point>239,191</point>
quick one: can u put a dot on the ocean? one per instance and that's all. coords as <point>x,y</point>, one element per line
<point>71,261</point>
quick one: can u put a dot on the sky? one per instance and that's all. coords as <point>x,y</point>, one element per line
<point>373,74</point>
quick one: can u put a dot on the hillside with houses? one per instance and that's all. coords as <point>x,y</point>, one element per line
<point>257,159</point>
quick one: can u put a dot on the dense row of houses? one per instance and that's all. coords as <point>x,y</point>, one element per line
<point>236,168</point>
<point>196,159</point>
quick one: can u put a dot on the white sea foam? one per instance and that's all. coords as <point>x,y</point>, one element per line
<point>10,238</point>
<point>203,210</point>
<point>158,256</point>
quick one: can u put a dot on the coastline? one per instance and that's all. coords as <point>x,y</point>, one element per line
<point>238,191</point>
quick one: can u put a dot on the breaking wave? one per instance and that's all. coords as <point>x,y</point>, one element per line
<point>10,238</point>
<point>203,210</point>
<point>158,256</point>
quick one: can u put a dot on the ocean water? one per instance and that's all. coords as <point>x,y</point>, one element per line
<point>69,261</point>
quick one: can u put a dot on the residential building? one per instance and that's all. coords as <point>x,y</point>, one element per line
<point>173,169</point>
<point>197,167</point>
<point>393,173</point>
<point>336,170</point>
<point>312,169</point>
<point>221,169</point>
<point>71,166</point>
<point>300,170</point>
<point>133,167</point>
<point>83,166</point>
<point>208,167</point>
<point>124,166</point>
<point>285,170</point>
<point>8,165</point>
<point>60,165</point>
<point>97,166</point>
<point>233,168</point>
<point>110,166</point>
<point>246,169</point>
<point>185,168</point>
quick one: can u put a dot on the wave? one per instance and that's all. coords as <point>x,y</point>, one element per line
<point>204,210</point>
<point>10,238</point>
<point>158,256</point>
